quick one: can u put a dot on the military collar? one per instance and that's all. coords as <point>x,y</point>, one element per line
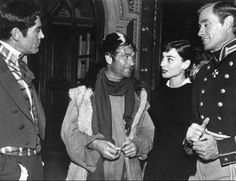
<point>227,49</point>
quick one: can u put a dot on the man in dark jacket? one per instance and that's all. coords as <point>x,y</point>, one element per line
<point>213,134</point>
<point>22,119</point>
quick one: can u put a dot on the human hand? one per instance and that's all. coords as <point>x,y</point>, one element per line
<point>195,131</point>
<point>129,148</point>
<point>106,149</point>
<point>206,147</point>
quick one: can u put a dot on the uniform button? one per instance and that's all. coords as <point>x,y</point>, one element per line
<point>226,76</point>
<point>218,117</point>
<point>220,133</point>
<point>226,159</point>
<point>220,104</point>
<point>205,79</point>
<point>222,91</point>
<point>202,91</point>
<point>201,103</point>
<point>208,67</point>
<point>202,116</point>
<point>231,63</point>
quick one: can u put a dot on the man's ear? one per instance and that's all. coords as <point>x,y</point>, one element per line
<point>16,34</point>
<point>186,64</point>
<point>229,22</point>
<point>108,59</point>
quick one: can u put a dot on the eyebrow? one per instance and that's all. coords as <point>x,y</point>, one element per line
<point>203,21</point>
<point>170,56</point>
<point>130,54</point>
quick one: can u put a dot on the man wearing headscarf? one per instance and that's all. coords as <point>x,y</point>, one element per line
<point>107,129</point>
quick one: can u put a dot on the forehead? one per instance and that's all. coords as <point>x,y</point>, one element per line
<point>207,15</point>
<point>125,49</point>
<point>172,52</point>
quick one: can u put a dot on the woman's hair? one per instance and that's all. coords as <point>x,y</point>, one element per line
<point>184,49</point>
<point>113,41</point>
<point>17,14</point>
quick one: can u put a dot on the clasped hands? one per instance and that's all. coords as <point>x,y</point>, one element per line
<point>111,152</point>
<point>205,145</point>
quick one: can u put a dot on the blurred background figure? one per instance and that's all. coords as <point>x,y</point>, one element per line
<point>202,58</point>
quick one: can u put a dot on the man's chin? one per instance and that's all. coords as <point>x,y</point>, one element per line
<point>165,76</point>
<point>35,51</point>
<point>207,47</point>
<point>128,74</point>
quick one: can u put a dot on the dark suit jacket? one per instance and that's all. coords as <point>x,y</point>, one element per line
<point>16,124</point>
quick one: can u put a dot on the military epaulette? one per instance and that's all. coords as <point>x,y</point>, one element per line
<point>227,49</point>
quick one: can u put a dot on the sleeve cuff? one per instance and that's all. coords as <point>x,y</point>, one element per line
<point>138,143</point>
<point>188,146</point>
<point>227,151</point>
<point>142,148</point>
<point>90,139</point>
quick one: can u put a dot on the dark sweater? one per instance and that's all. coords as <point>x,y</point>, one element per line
<point>171,111</point>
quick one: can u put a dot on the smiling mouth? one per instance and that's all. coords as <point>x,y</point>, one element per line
<point>204,40</point>
<point>164,71</point>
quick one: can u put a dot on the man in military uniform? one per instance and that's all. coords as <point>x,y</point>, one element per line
<point>212,136</point>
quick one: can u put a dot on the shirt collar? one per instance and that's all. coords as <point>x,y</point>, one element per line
<point>187,80</point>
<point>11,54</point>
<point>11,49</point>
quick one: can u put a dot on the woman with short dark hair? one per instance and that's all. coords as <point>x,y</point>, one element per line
<point>171,111</point>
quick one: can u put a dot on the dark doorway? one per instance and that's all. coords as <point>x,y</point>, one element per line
<point>73,29</point>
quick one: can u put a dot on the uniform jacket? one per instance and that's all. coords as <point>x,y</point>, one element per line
<point>76,133</point>
<point>16,124</point>
<point>215,97</point>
